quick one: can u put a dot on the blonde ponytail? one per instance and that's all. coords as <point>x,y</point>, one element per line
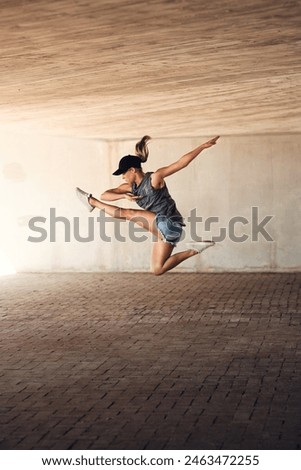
<point>141,148</point>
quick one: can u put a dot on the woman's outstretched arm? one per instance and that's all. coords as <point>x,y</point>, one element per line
<point>161,173</point>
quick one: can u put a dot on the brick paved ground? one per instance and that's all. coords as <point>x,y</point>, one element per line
<point>132,361</point>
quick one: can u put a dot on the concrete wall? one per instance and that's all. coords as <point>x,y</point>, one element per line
<point>38,176</point>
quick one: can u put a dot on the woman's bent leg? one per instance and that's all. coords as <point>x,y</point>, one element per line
<point>162,260</point>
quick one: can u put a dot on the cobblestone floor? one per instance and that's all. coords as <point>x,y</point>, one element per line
<point>132,361</point>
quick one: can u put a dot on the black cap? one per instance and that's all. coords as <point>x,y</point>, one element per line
<point>127,162</point>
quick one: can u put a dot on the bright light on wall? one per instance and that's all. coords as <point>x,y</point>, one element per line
<point>6,267</point>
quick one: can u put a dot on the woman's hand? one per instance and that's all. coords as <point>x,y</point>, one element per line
<point>132,197</point>
<point>210,143</point>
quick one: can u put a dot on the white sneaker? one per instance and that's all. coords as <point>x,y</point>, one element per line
<point>84,198</point>
<point>200,246</point>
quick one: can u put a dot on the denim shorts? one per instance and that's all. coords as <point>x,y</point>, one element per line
<point>170,230</point>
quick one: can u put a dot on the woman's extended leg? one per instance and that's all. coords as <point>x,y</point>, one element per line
<point>162,260</point>
<point>145,219</point>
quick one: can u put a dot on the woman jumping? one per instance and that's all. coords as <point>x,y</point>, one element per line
<point>159,214</point>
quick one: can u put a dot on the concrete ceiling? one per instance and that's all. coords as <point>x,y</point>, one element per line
<point>117,69</point>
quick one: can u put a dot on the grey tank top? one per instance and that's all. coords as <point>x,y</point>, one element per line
<point>158,201</point>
